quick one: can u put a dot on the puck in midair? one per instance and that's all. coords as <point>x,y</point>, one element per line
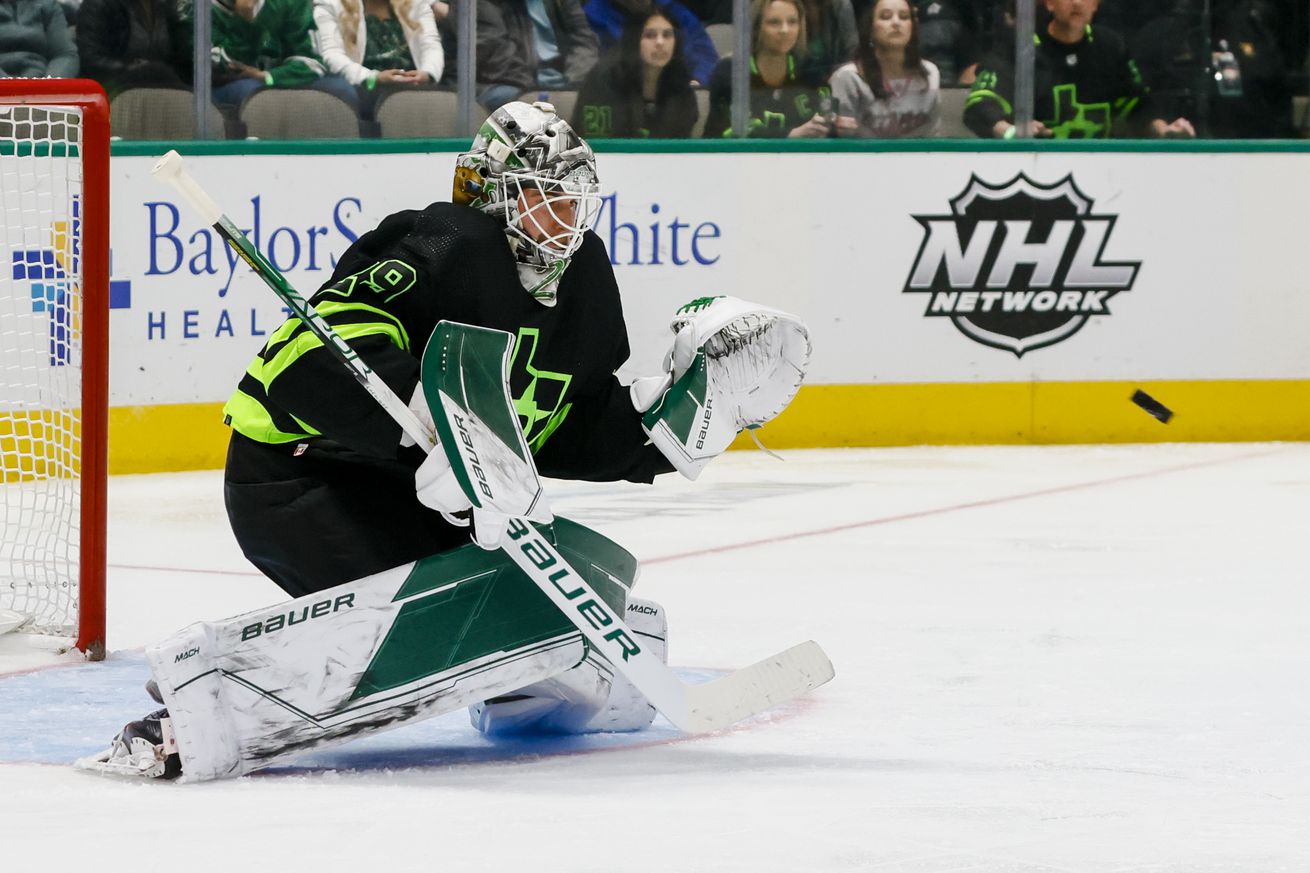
<point>1153,407</point>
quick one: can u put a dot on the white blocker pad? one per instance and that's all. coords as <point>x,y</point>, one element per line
<point>410,643</point>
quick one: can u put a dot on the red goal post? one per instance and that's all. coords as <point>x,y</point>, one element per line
<point>54,356</point>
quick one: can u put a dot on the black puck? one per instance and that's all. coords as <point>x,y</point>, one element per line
<point>1153,407</point>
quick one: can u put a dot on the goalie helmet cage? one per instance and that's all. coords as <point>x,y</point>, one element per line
<point>54,360</point>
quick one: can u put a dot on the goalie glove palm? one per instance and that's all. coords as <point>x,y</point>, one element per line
<point>733,365</point>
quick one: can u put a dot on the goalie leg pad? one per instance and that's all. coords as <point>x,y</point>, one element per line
<point>406,644</point>
<point>588,698</point>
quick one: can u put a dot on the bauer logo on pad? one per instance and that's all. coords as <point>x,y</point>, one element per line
<point>1018,266</point>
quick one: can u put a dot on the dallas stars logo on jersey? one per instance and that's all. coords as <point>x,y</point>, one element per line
<point>540,405</point>
<point>1018,266</point>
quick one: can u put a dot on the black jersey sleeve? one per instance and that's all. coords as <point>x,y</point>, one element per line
<point>603,441</point>
<point>319,392</point>
<point>990,98</point>
<point>719,119</point>
<point>1135,107</point>
<point>383,299</point>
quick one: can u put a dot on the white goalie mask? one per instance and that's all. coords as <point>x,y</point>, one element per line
<point>529,169</point>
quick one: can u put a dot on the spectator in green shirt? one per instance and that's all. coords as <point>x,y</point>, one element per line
<point>268,44</point>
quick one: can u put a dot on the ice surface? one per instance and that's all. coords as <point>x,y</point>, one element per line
<point>1048,659</point>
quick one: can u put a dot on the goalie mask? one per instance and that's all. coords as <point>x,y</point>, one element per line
<point>530,170</point>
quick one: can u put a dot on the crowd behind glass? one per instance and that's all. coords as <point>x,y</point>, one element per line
<point>662,68</point>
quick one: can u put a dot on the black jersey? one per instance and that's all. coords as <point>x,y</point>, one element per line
<point>450,262</point>
<point>774,112</point>
<point>1080,91</point>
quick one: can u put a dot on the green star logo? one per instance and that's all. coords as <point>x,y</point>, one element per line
<point>1075,120</point>
<point>540,406</point>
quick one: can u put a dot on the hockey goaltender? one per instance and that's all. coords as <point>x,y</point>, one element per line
<point>498,316</point>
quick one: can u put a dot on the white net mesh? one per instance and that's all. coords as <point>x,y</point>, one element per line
<point>40,363</point>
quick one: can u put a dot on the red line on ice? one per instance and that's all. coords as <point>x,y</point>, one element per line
<point>943,510</point>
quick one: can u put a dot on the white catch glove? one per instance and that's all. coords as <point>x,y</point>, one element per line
<point>733,365</point>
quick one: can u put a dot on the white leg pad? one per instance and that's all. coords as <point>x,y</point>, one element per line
<point>588,698</point>
<point>403,645</point>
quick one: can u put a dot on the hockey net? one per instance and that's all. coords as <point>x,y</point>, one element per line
<point>54,217</point>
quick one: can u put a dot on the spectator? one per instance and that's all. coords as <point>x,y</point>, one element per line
<point>134,44</point>
<point>1086,85</point>
<point>711,11</point>
<point>34,41</point>
<point>529,45</point>
<point>1290,22</point>
<point>444,14</point>
<point>1126,17</point>
<point>889,90</point>
<point>785,99</point>
<point>267,44</point>
<point>951,33</point>
<point>1227,72</point>
<point>948,34</point>
<point>642,89</point>
<point>609,17</point>
<point>379,46</point>
<point>829,35</point>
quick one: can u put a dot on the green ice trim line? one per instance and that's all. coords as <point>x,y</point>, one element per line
<point>25,149</point>
<point>721,146</point>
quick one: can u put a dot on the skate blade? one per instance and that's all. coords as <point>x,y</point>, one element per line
<point>10,620</point>
<point>102,765</point>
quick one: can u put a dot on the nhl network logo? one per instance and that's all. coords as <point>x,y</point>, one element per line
<point>1018,266</point>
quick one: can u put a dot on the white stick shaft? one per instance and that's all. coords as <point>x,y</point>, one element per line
<point>170,169</point>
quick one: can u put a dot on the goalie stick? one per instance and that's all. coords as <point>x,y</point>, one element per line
<point>691,708</point>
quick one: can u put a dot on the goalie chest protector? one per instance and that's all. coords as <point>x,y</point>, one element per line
<point>459,267</point>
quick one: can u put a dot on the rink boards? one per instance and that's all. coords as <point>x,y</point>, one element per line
<point>953,297</point>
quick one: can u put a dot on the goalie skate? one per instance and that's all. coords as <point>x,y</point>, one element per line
<point>144,749</point>
<point>10,620</point>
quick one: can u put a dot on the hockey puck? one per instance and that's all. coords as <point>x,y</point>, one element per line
<point>1153,407</point>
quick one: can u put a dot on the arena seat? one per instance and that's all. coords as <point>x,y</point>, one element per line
<point>158,114</point>
<point>563,101</point>
<point>952,115</point>
<point>702,112</point>
<point>723,37</point>
<point>298,113</point>
<point>422,115</point>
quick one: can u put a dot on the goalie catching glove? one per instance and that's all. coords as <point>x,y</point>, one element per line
<point>734,365</point>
